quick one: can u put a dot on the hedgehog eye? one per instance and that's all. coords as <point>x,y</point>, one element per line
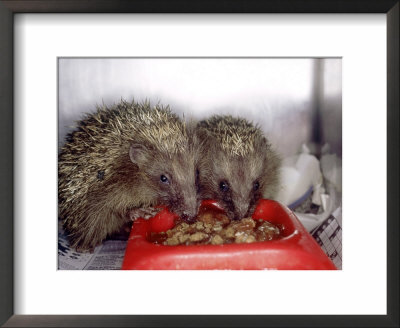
<point>164,179</point>
<point>223,185</point>
<point>256,186</point>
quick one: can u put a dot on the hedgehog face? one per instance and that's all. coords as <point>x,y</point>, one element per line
<point>172,178</point>
<point>238,182</point>
<point>240,167</point>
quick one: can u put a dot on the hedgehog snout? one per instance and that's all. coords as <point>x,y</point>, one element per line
<point>190,206</point>
<point>187,218</point>
<point>190,214</point>
<point>241,210</point>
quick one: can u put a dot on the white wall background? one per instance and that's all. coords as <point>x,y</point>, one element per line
<point>278,94</point>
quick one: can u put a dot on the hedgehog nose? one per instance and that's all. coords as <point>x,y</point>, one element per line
<point>241,212</point>
<point>188,218</point>
<point>238,216</point>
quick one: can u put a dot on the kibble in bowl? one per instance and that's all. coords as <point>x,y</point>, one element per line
<point>215,228</point>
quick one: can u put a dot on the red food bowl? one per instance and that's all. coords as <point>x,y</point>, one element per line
<point>296,250</point>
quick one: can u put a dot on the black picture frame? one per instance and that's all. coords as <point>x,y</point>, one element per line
<point>7,10</point>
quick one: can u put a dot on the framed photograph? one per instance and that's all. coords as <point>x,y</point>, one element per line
<point>259,60</point>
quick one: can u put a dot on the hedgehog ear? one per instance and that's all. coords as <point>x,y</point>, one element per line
<point>138,154</point>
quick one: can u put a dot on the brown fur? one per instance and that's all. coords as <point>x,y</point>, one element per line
<point>112,164</point>
<point>239,156</point>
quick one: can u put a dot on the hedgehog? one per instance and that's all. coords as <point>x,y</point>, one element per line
<point>240,167</point>
<point>127,157</point>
